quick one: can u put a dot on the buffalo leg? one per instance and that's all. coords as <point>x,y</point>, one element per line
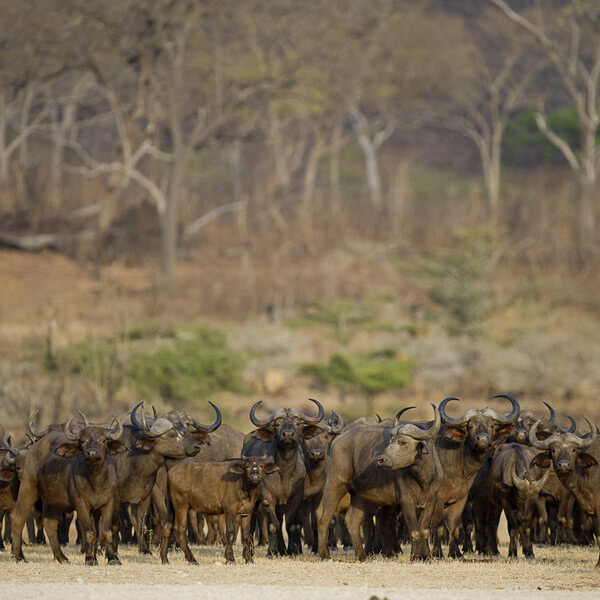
<point>247,539</point>
<point>166,530</point>
<point>491,530</point>
<point>467,525</point>
<point>333,492</point>
<point>512,533</point>
<point>309,538</point>
<point>453,521</point>
<point>293,525</point>
<point>230,528</point>
<point>354,518</point>
<point>180,533</point>
<point>88,534</point>
<point>28,495</point>
<point>51,519</point>
<point>140,522</point>
<point>387,530</point>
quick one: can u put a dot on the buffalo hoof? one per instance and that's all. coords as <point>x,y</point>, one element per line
<point>91,562</point>
<point>114,562</point>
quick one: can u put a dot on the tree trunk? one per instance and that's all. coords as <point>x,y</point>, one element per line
<point>308,189</point>
<point>169,225</point>
<point>586,226</point>
<point>371,169</point>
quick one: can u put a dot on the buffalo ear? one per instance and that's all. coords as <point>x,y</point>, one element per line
<point>455,434</point>
<point>67,450</point>
<point>7,474</point>
<point>586,460</point>
<point>503,432</point>
<point>542,435</point>
<point>237,468</point>
<point>200,437</point>
<point>115,446</point>
<point>541,460</point>
<point>310,431</point>
<point>264,435</point>
<point>271,468</point>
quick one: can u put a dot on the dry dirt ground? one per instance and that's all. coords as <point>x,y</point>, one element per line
<point>565,572</point>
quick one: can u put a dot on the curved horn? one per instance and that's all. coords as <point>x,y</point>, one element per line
<point>133,417</point>
<point>83,418</point>
<point>141,423</point>
<point>570,429</point>
<point>402,411</point>
<point>154,413</point>
<point>540,483</point>
<point>208,428</point>
<point>67,431</point>
<point>31,428</point>
<point>112,433</point>
<point>513,415</point>
<point>335,423</point>
<point>9,459</point>
<point>517,481</point>
<point>262,422</point>
<point>586,440</point>
<point>418,433</point>
<point>552,416</point>
<point>446,420</point>
<point>540,444</point>
<point>316,418</point>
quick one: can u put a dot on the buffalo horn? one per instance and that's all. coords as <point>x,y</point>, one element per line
<point>83,418</point>
<point>68,433</point>
<point>541,444</point>
<point>115,433</point>
<point>264,422</point>
<point>586,440</point>
<point>517,481</point>
<point>446,420</point>
<point>552,416</point>
<point>31,427</point>
<point>513,415</point>
<point>335,423</point>
<point>570,429</point>
<point>208,428</point>
<point>402,411</point>
<point>11,456</point>
<point>418,433</point>
<point>317,418</point>
<point>141,423</point>
<point>541,482</point>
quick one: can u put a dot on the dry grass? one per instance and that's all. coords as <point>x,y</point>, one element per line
<point>554,570</point>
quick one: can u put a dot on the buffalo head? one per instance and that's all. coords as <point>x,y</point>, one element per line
<point>480,428</point>
<point>408,443</point>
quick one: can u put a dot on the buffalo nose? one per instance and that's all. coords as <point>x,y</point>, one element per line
<point>380,461</point>
<point>563,466</point>
<point>196,448</point>
<point>317,454</point>
<point>91,453</point>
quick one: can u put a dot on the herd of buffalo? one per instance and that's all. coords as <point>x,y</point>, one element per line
<point>371,483</point>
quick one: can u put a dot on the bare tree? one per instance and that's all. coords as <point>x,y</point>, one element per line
<point>573,47</point>
<point>485,95</point>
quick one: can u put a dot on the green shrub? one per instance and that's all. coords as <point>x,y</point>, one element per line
<point>192,366</point>
<point>368,374</point>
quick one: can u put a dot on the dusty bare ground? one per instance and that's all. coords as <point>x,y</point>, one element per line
<point>565,572</point>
